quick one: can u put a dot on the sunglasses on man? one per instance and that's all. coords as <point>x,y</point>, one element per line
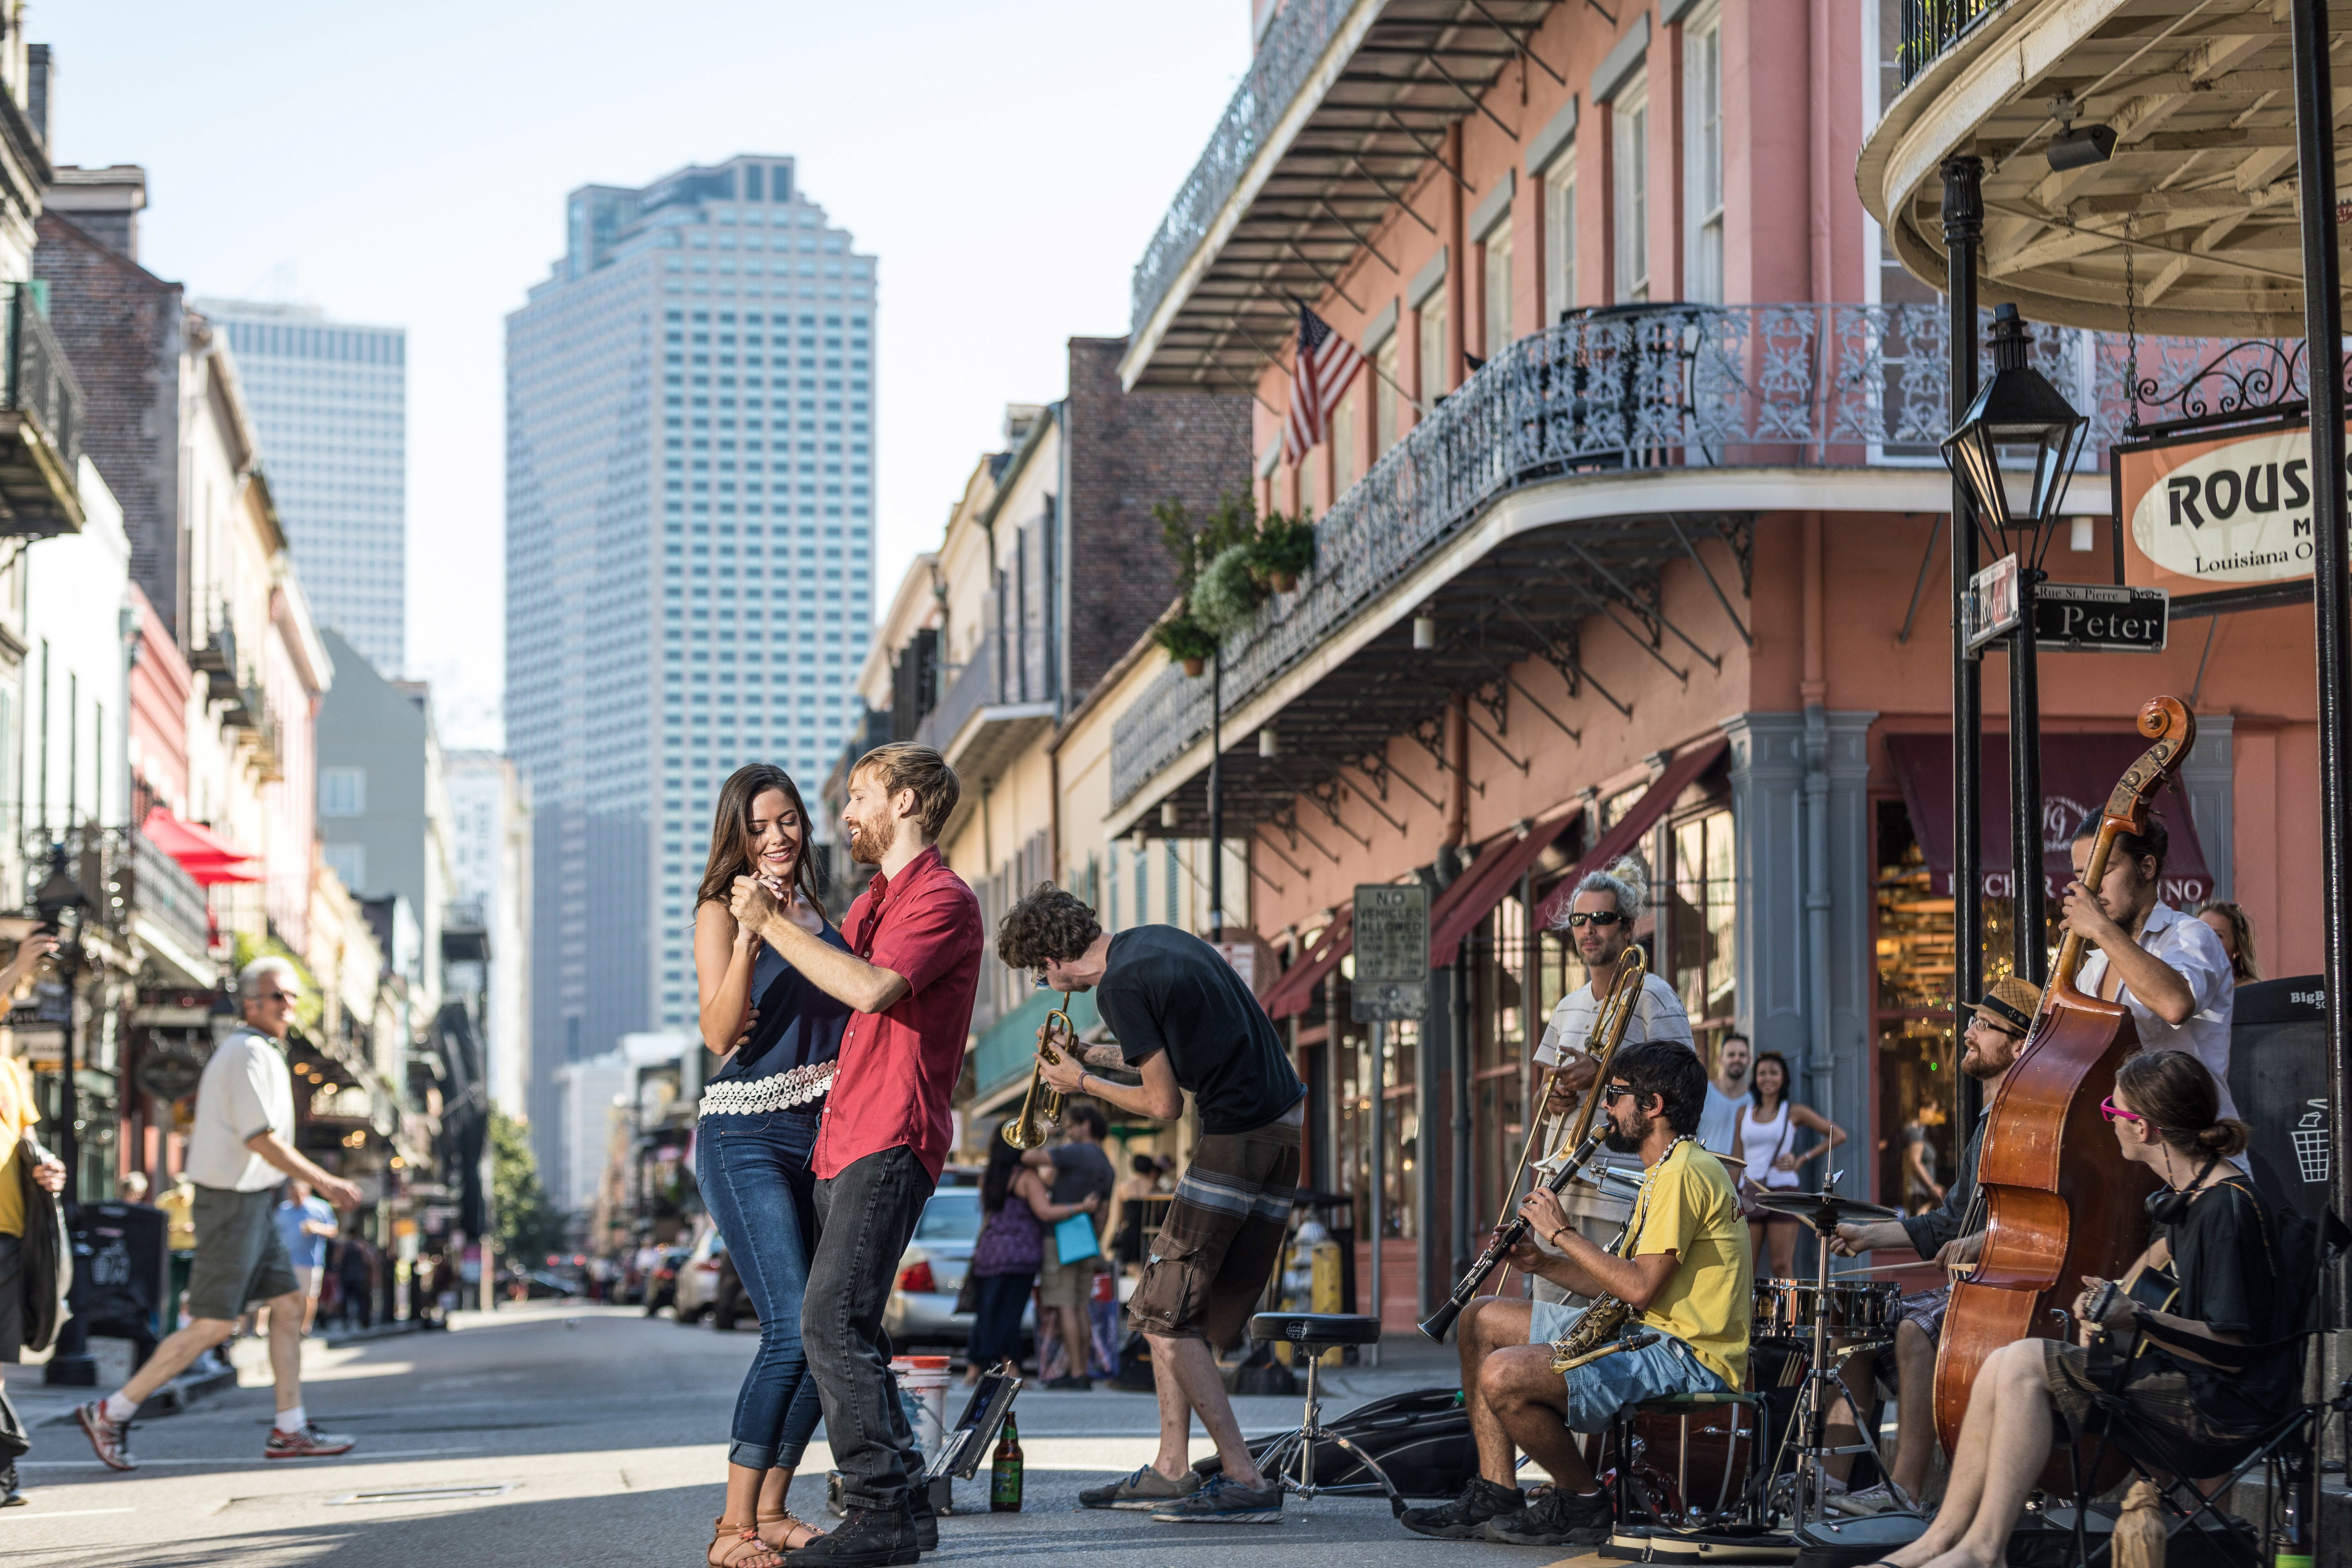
<point>1595,917</point>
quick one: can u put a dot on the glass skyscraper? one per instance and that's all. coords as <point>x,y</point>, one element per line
<point>330,403</point>
<point>689,561</point>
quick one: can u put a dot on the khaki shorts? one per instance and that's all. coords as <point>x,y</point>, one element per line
<point>240,1257</point>
<point>1223,1238</point>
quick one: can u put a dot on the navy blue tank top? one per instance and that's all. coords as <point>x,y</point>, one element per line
<point>798,1023</point>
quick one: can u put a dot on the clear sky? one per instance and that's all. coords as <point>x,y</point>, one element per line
<point>406,165</point>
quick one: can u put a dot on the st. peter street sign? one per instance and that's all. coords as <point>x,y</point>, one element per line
<point>2068,617</point>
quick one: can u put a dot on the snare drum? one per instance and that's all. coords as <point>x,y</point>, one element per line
<point>1855,1310</point>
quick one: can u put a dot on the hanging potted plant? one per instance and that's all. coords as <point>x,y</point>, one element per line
<point>1187,641</point>
<point>1284,551</point>
<point>1228,593</point>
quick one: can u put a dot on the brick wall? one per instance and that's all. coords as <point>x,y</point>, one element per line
<point>119,327</point>
<point>1128,451</point>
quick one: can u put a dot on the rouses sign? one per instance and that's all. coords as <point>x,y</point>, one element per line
<point>2222,510</point>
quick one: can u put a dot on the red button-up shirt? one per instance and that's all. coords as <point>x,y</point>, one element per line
<point>899,1066</point>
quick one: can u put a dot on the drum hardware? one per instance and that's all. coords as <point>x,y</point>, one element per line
<point>1808,1435</point>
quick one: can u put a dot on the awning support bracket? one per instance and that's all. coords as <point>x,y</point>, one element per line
<point>1519,40</point>
<point>1358,791</point>
<point>1278,855</point>
<point>1648,611</point>
<point>1935,529</point>
<point>1481,730</point>
<point>1427,151</point>
<point>1474,101</point>
<point>1397,196</point>
<point>1431,733</point>
<point>1359,236</point>
<point>1533,701</point>
<point>1720,596</point>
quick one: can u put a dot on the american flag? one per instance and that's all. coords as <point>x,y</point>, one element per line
<point>1319,374</point>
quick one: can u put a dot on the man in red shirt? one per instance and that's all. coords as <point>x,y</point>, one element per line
<point>911,971</point>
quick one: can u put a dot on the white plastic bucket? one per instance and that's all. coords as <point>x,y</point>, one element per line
<point>924,1380</point>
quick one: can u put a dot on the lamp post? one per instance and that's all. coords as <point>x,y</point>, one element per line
<point>2019,408</point>
<point>60,905</point>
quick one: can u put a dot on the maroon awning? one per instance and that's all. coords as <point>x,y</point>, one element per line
<point>1468,899</point>
<point>1680,774</point>
<point>1295,992</point>
<point>2078,772</point>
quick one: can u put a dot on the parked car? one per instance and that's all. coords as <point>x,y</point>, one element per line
<point>698,1277</point>
<point>921,1309</point>
<point>661,1285</point>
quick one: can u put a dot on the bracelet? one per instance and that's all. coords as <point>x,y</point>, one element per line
<point>1082,1080</point>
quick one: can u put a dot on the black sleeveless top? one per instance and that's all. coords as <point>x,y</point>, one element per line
<point>798,1024</point>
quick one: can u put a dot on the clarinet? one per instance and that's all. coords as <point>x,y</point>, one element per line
<point>1440,1323</point>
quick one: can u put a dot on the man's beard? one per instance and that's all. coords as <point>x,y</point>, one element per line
<point>1623,1143</point>
<point>870,839</point>
<point>1974,1064</point>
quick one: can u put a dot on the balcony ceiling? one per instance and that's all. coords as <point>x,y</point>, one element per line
<point>2202,186</point>
<point>1528,597</point>
<point>1214,297</point>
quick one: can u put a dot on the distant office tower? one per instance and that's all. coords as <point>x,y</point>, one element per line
<point>489,892</point>
<point>689,561</point>
<point>332,402</point>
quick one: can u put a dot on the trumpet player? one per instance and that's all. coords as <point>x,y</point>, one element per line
<point>1186,1024</point>
<point>1684,1275</point>
<point>1599,925</point>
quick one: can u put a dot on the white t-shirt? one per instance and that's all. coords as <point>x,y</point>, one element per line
<point>246,1089</point>
<point>2194,950</point>
<point>1657,1015</point>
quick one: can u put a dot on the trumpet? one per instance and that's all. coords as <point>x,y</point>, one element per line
<point>1041,1108</point>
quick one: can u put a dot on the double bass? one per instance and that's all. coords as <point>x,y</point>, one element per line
<point>2060,1200</point>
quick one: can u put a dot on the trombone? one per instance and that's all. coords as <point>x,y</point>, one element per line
<point>1041,1108</point>
<point>1609,1026</point>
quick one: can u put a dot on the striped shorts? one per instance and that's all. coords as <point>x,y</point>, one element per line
<point>1223,1236</point>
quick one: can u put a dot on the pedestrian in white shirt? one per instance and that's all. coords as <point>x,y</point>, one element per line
<point>2167,967</point>
<point>240,1150</point>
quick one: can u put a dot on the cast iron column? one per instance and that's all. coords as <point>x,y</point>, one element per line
<point>1963,233</point>
<point>1217,793</point>
<point>71,1364</point>
<point>2323,326</point>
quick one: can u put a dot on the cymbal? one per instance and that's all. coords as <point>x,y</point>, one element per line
<point>1823,1211</point>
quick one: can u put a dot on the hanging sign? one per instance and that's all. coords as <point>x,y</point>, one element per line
<point>2203,510</point>
<point>2068,617</point>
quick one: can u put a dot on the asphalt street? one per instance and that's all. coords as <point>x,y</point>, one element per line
<point>596,1436</point>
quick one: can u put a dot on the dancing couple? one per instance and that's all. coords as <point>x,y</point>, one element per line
<point>825,1131</point>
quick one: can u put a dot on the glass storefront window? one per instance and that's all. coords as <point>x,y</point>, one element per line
<point>1500,1048</point>
<point>1700,920</point>
<point>1913,1021</point>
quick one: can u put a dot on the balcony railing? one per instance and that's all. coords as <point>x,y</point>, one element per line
<point>998,673</point>
<point>1294,42</point>
<point>1663,388</point>
<point>39,477</point>
<point>164,894</point>
<point>1931,26</point>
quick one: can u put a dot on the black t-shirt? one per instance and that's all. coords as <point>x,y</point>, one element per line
<point>2226,1256</point>
<point>1167,990</point>
<point>1079,1169</point>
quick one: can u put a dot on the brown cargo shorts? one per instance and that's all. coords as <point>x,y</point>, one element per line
<point>1223,1236</point>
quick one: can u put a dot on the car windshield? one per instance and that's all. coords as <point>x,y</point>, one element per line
<point>951,1215</point>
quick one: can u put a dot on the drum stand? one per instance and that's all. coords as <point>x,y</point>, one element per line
<point>1822,1388</point>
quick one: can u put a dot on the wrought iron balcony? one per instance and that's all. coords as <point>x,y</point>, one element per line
<point>40,425</point>
<point>1931,26</point>
<point>164,895</point>
<point>1668,388</point>
<point>996,704</point>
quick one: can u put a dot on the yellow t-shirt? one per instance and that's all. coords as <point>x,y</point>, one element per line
<point>1691,1210</point>
<point>18,1112</point>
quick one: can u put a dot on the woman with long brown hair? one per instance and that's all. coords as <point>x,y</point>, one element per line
<point>777,1038</point>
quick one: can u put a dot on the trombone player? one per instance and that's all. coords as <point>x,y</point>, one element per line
<point>1684,1275</point>
<point>1185,1023</point>
<point>1599,925</point>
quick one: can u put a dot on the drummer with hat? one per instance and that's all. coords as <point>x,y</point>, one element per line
<point>1952,1234</point>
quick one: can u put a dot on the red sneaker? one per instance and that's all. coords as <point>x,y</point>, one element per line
<point>308,1444</point>
<point>111,1438</point>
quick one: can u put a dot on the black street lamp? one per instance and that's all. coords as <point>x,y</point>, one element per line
<point>60,904</point>
<point>2019,408</point>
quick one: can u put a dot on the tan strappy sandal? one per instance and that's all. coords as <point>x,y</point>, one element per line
<point>791,1521</point>
<point>749,1550</point>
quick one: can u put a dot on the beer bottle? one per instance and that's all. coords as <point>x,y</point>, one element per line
<point>1005,1472</point>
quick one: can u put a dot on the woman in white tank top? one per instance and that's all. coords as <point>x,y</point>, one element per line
<point>1768,1127</point>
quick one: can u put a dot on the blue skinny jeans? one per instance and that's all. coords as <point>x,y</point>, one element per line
<point>754,1175</point>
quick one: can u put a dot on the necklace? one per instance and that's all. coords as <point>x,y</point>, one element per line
<point>1641,1193</point>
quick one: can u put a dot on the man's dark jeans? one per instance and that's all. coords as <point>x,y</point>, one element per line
<point>865,1216</point>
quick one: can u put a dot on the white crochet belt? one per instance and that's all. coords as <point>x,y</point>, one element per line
<point>779,1091</point>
